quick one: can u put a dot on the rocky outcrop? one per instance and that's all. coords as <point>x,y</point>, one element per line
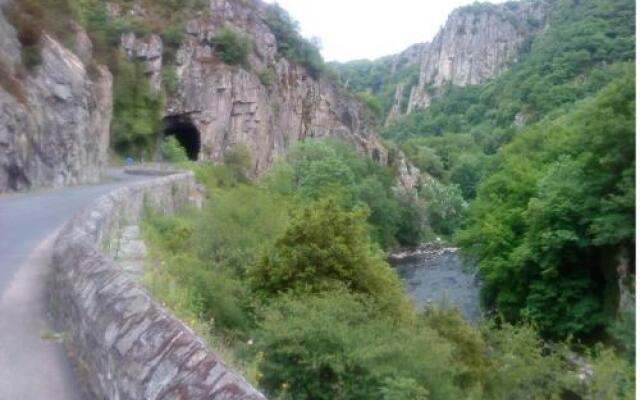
<point>477,43</point>
<point>411,56</point>
<point>267,104</point>
<point>125,344</point>
<point>54,121</point>
<point>149,51</point>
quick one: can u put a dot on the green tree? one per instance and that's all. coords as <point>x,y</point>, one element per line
<point>548,226</point>
<point>232,46</point>
<point>446,207</point>
<point>137,111</point>
<point>323,248</point>
<point>337,345</point>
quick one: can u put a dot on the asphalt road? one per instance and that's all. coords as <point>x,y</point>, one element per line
<point>33,363</point>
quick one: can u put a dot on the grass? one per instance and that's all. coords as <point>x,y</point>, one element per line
<point>180,299</point>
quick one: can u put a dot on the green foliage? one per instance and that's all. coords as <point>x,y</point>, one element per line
<point>468,172</point>
<point>172,151</point>
<point>446,207</point>
<point>211,293</point>
<point>238,225</point>
<point>613,377</point>
<point>237,159</point>
<point>521,370</point>
<point>291,44</point>
<point>468,345</point>
<point>374,107</point>
<point>137,112</point>
<point>266,77</point>
<point>232,46</point>
<point>376,81</point>
<point>321,167</point>
<point>623,334</point>
<point>426,159</point>
<point>335,345</point>
<point>412,220</point>
<point>170,80</point>
<point>583,49</point>
<point>323,248</point>
<point>557,208</point>
<point>331,320</point>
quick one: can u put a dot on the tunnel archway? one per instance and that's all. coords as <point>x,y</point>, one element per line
<point>185,131</point>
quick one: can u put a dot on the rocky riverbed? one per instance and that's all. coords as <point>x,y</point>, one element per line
<point>434,274</point>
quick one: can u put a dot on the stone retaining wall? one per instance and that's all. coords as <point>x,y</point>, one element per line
<point>127,346</point>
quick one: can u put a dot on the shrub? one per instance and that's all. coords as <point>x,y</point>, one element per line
<point>172,150</point>
<point>266,77</point>
<point>170,79</point>
<point>337,345</point>
<point>137,111</point>
<point>238,224</point>
<point>521,369</point>
<point>232,46</point>
<point>195,287</point>
<point>238,159</point>
<point>325,247</point>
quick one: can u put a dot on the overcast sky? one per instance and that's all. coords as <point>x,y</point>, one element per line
<point>356,29</point>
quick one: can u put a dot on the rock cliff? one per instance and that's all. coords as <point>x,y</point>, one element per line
<point>54,120</point>
<point>267,104</point>
<point>477,43</point>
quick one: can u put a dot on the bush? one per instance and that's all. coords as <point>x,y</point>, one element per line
<point>323,248</point>
<point>172,150</point>
<point>170,80</point>
<point>137,111</point>
<point>520,369</point>
<point>337,345</point>
<point>232,46</point>
<point>238,159</point>
<point>238,225</point>
<point>266,77</point>
<point>194,287</point>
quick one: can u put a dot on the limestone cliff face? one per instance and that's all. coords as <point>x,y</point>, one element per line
<point>411,56</point>
<point>267,104</point>
<point>54,121</point>
<point>477,43</point>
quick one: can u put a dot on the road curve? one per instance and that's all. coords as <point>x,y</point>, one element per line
<point>33,364</point>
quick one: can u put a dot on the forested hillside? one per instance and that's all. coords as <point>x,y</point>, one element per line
<point>554,209</point>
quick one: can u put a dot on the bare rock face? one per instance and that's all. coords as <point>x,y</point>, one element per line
<point>149,51</point>
<point>477,43</point>
<point>54,121</point>
<point>267,104</point>
<point>411,56</point>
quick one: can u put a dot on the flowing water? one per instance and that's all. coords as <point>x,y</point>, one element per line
<point>434,274</point>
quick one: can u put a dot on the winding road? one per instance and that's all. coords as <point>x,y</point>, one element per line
<point>33,362</point>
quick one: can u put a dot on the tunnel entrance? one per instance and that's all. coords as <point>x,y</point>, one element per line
<point>184,130</point>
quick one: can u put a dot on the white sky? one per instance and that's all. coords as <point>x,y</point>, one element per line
<point>356,29</point>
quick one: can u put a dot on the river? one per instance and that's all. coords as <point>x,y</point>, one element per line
<point>434,274</point>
